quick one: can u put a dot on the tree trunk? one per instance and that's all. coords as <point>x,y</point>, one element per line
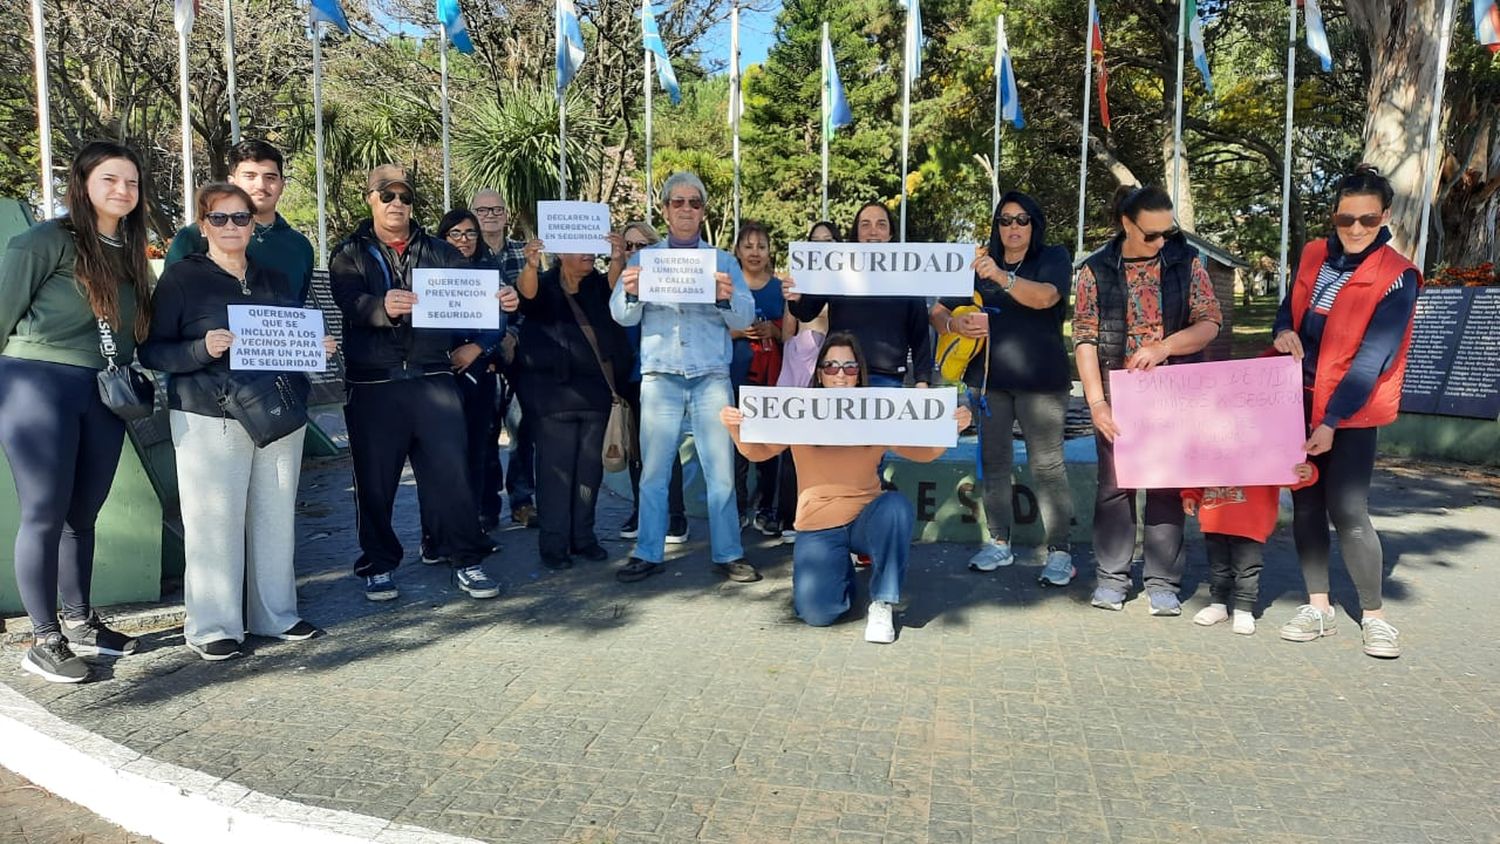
<point>1402,41</point>
<point>1184,209</point>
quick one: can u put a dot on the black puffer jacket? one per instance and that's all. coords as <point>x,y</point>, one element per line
<point>1108,267</point>
<point>377,348</point>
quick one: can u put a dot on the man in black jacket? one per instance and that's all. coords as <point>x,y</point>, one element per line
<point>403,402</point>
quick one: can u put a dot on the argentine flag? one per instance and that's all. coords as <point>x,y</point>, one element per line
<point>1317,38</point>
<point>913,38</point>
<point>1195,34</point>
<point>1010,101</point>
<point>651,39</point>
<point>569,43</point>
<point>329,12</point>
<point>453,25</point>
<point>838,104</point>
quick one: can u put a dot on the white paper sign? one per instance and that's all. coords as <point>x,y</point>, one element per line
<point>851,416</point>
<point>278,339</point>
<point>882,269</point>
<point>455,298</point>
<point>678,275</point>
<point>580,228</point>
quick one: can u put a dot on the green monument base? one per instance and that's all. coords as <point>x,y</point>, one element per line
<point>1455,438</point>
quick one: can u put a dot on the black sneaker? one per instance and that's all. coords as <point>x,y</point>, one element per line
<point>739,571</point>
<point>767,525</point>
<point>299,632</point>
<point>593,553</point>
<point>91,638</point>
<point>217,651</point>
<point>632,528</point>
<point>53,661</point>
<point>677,530</point>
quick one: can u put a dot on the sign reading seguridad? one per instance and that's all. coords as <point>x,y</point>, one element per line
<point>849,416</point>
<point>882,269</point>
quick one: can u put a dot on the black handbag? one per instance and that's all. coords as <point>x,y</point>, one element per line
<point>267,405</point>
<point>125,390</point>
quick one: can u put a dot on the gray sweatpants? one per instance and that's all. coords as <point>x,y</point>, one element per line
<point>1042,417</point>
<point>238,513</point>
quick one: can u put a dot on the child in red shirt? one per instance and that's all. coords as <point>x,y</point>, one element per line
<point>1236,523</point>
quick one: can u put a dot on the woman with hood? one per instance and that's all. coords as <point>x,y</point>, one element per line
<point>1021,376</point>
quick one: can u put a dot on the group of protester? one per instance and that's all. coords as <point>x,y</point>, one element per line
<point>575,337</point>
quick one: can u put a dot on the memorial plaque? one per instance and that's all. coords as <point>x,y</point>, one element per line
<point>1434,339</point>
<point>1453,366</point>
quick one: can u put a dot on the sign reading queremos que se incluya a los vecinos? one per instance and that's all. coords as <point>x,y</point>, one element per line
<point>849,416</point>
<point>882,269</point>
<point>276,339</point>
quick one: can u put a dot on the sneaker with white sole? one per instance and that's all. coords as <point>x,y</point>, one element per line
<point>51,659</point>
<point>788,537</point>
<point>381,587</point>
<point>91,638</point>
<point>1164,604</point>
<point>1381,639</point>
<point>1244,623</point>
<point>475,581</point>
<point>216,651</point>
<point>1059,570</point>
<point>632,528</point>
<point>880,623</point>
<point>1211,615</point>
<point>992,555</point>
<point>1308,624</point>
<point>299,632</point>
<point>677,531</point>
<point>1108,598</point>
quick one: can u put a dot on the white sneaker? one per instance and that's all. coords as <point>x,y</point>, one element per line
<point>1244,623</point>
<point>880,625</point>
<point>1212,614</point>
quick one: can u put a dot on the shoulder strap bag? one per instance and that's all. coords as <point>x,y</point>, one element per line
<point>125,390</point>
<point>617,440</point>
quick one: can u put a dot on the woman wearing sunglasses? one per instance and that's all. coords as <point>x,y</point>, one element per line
<point>841,508</point>
<point>1348,320</point>
<point>238,499</point>
<point>1023,284</point>
<point>1142,301</point>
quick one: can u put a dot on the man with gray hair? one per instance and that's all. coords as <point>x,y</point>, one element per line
<point>685,354</point>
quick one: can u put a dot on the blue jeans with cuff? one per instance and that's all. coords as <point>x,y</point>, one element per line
<point>823,574</point>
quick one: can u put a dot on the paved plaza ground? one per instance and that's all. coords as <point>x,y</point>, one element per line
<point>686,708</point>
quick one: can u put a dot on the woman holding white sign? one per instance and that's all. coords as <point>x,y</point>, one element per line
<point>841,508</point>
<point>1021,374</point>
<point>1142,301</point>
<point>757,361</point>
<point>238,499</point>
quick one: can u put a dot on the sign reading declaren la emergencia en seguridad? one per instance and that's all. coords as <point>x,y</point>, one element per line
<point>684,276</point>
<point>451,298</point>
<point>573,228</point>
<point>882,269</point>
<point>276,339</point>
<point>849,416</point>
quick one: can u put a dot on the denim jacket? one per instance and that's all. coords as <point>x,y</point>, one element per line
<point>686,339</point>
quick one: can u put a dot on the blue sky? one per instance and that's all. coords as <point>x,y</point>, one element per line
<point>755,37</point>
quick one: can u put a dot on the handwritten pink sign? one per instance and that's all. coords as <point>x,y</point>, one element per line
<point>1228,423</point>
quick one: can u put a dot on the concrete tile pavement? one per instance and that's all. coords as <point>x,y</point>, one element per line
<point>684,708</point>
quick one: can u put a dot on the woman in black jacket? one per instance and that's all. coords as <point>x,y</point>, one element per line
<point>566,334</point>
<point>238,499</point>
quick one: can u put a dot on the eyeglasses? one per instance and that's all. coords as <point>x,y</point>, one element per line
<point>1152,237</point>
<point>1347,221</point>
<point>466,234</point>
<point>1006,220</point>
<point>832,367</point>
<point>693,202</point>
<point>490,210</point>
<point>218,219</point>
<point>633,245</point>
<point>401,196</point>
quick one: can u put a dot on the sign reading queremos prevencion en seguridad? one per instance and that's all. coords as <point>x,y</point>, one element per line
<point>449,298</point>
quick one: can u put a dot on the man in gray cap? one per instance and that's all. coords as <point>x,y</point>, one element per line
<point>403,402</point>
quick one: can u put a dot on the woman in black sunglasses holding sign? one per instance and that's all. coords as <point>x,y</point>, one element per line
<point>238,498</point>
<point>1348,320</point>
<point>1142,301</point>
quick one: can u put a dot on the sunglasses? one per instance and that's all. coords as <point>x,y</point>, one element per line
<point>467,234</point>
<point>832,367</point>
<point>490,210</point>
<point>1006,220</point>
<point>1347,221</point>
<point>691,202</point>
<point>401,196</point>
<point>1152,237</point>
<point>218,219</point>
<point>633,245</point>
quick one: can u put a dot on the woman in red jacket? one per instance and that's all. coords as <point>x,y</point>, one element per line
<point>1348,319</point>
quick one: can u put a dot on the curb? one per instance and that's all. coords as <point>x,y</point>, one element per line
<point>131,619</point>
<point>168,802</point>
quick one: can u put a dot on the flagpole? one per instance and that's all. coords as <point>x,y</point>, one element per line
<point>734,103</point>
<point>650,185</point>
<point>43,107</point>
<point>1282,270</point>
<point>322,182</point>
<point>447,150</point>
<point>1083,147</point>
<point>187,128</point>
<point>562,113</point>
<point>1429,180</point>
<point>823,50</point>
<point>905,115</point>
<point>995,162</point>
<point>1177,124</point>
<point>232,85</point>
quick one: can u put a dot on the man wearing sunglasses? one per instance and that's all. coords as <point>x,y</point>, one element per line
<point>403,400</point>
<point>685,355</point>
<point>256,168</point>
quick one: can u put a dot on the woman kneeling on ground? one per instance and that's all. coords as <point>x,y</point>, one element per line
<point>841,509</point>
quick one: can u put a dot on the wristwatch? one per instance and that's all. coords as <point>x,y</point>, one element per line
<point>1010,280</point>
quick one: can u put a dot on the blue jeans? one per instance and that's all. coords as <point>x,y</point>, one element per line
<point>665,401</point>
<point>823,574</point>
<point>880,380</point>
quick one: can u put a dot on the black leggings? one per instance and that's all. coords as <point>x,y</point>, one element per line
<point>1342,495</point>
<point>63,445</point>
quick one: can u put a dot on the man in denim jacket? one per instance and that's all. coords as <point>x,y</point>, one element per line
<point>685,352</point>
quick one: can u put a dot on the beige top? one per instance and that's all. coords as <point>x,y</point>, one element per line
<point>835,482</point>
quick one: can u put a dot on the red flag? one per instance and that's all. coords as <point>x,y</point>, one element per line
<point>1096,46</point>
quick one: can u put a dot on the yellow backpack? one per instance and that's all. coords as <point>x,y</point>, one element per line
<point>955,351</point>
